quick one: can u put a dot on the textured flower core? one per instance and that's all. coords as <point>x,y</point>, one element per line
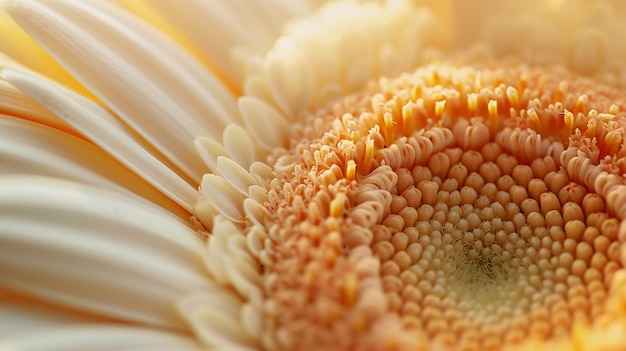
<point>465,207</point>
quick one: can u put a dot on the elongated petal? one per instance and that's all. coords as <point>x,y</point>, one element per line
<point>96,250</point>
<point>241,146</point>
<point>266,124</point>
<point>217,27</point>
<point>99,337</point>
<point>226,199</point>
<point>290,77</point>
<point>146,79</point>
<point>15,43</point>
<point>30,148</point>
<point>210,150</point>
<point>94,122</point>
<point>235,175</point>
<point>16,103</point>
<point>20,314</point>
<point>229,318</point>
<point>216,320</point>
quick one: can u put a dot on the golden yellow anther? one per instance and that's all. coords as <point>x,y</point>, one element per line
<point>612,142</point>
<point>534,117</point>
<point>409,115</point>
<point>559,94</point>
<point>440,107</point>
<point>581,105</point>
<point>350,170</point>
<point>338,205</point>
<point>492,107</point>
<point>416,92</point>
<point>568,118</point>
<point>369,155</point>
<point>511,93</point>
<point>472,102</point>
<point>523,82</point>
<point>388,133</point>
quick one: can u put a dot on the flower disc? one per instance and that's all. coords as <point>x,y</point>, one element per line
<point>461,207</point>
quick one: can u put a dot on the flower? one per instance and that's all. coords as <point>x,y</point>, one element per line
<point>371,175</point>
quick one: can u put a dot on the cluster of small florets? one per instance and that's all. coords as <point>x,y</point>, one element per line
<point>450,206</point>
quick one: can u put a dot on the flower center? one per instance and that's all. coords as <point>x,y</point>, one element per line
<point>473,206</point>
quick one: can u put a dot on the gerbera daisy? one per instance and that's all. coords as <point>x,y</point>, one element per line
<point>374,175</point>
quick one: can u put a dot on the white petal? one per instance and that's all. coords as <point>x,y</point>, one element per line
<point>257,86</point>
<point>216,320</point>
<point>209,150</point>
<point>31,148</point>
<point>258,194</point>
<point>241,146</point>
<point>230,261</point>
<point>93,121</point>
<point>342,46</point>
<point>20,314</point>
<point>15,102</point>
<point>150,82</point>
<point>100,337</point>
<point>216,27</point>
<point>205,212</point>
<point>262,171</point>
<point>223,196</point>
<point>255,212</point>
<point>235,175</point>
<point>289,76</point>
<point>267,125</point>
<point>96,250</point>
<point>255,240</point>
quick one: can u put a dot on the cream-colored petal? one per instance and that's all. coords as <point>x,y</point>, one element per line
<point>230,262</point>
<point>235,175</point>
<point>217,27</point>
<point>150,82</point>
<point>21,314</point>
<point>255,212</point>
<point>30,148</point>
<point>339,48</point>
<point>289,76</point>
<point>255,239</point>
<point>241,146</point>
<point>216,320</point>
<point>96,250</point>
<point>93,121</point>
<point>232,317</point>
<point>100,337</point>
<point>226,199</point>
<point>256,85</point>
<point>258,194</point>
<point>16,46</point>
<point>16,103</point>
<point>261,171</point>
<point>205,212</point>
<point>267,125</point>
<point>209,150</point>
<point>146,12</point>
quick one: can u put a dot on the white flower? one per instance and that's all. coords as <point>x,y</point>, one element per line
<point>312,175</point>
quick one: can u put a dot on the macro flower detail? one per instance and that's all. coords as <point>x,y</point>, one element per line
<point>470,206</point>
<point>253,177</point>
